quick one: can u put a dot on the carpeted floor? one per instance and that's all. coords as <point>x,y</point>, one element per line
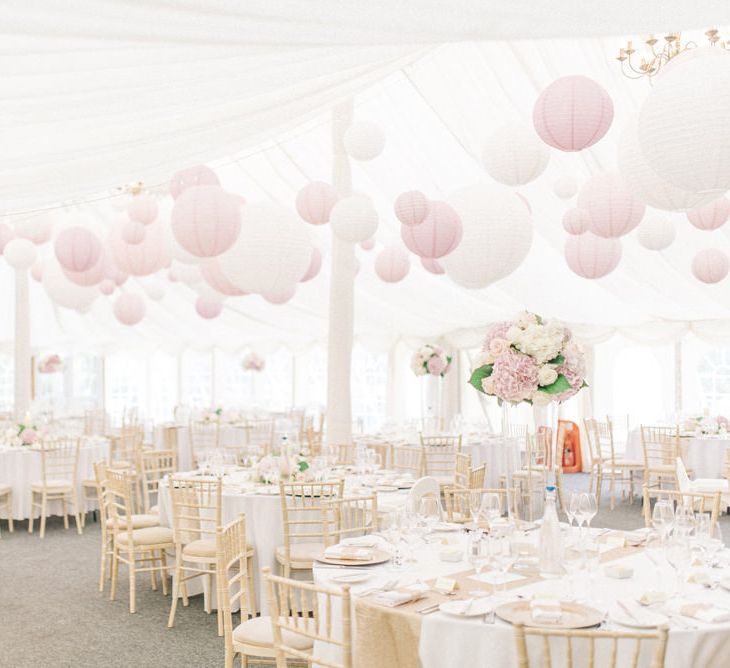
<point>53,615</point>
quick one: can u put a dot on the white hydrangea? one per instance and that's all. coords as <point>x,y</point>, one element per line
<point>542,342</point>
<point>541,398</point>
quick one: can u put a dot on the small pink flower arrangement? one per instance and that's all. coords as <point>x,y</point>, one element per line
<point>253,362</point>
<point>431,360</point>
<point>50,364</point>
<point>530,360</point>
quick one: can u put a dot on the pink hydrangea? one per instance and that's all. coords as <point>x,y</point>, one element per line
<point>436,365</point>
<point>723,422</point>
<point>574,370</point>
<point>515,376</point>
<point>28,436</point>
<point>498,331</point>
<point>498,346</point>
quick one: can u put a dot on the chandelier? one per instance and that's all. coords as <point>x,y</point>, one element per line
<point>658,54</point>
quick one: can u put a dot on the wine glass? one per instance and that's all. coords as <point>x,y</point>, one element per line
<point>678,555</point>
<point>684,520</point>
<point>662,518</point>
<point>588,508</point>
<point>504,558</point>
<point>571,508</point>
<point>430,512</point>
<point>491,508</point>
<point>391,528</point>
<point>475,504</point>
<point>479,557</point>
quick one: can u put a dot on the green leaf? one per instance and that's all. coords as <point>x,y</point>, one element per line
<point>560,385</point>
<point>584,385</point>
<point>303,466</point>
<point>448,359</point>
<point>557,360</point>
<point>478,375</point>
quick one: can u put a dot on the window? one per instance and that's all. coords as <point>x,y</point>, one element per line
<point>369,386</point>
<point>197,379</point>
<point>126,385</point>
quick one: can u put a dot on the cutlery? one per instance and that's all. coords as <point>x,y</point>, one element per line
<point>467,606</point>
<point>429,609</point>
<point>388,586</point>
<point>628,611</point>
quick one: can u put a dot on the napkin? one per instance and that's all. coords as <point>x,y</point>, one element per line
<point>637,537</point>
<point>705,612</point>
<point>545,610</point>
<point>347,552</point>
<point>360,541</point>
<point>392,599</point>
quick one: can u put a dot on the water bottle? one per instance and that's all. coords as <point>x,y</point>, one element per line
<point>551,542</point>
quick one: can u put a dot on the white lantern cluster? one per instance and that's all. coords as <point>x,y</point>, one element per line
<point>354,218</point>
<point>514,155</point>
<point>656,233</point>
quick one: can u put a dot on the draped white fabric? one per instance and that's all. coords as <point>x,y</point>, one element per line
<point>99,94</point>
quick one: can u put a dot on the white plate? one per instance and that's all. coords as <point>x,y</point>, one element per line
<point>479,607</point>
<point>351,578</point>
<point>442,527</point>
<point>649,619</point>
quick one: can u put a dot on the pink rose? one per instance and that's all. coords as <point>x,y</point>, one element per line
<point>497,346</point>
<point>436,365</point>
<point>28,436</point>
<point>488,385</point>
<point>498,331</point>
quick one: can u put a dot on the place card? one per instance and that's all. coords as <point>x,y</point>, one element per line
<point>445,585</point>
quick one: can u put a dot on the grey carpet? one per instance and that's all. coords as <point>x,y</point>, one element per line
<point>51,613</point>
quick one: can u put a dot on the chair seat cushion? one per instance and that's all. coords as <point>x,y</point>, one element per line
<point>138,521</point>
<point>148,536</point>
<point>53,485</point>
<point>301,551</point>
<point>154,510</point>
<point>710,485</point>
<point>203,547</point>
<point>257,631</point>
<point>627,463</point>
<point>90,482</point>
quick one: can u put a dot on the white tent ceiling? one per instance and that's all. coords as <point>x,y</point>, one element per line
<point>98,94</point>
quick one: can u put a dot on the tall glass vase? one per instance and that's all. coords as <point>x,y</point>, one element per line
<point>431,409</point>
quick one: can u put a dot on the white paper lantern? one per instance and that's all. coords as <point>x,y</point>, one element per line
<point>591,256</point>
<point>272,252</point>
<point>683,125</point>
<point>364,140</point>
<point>189,274</point>
<point>645,183</point>
<point>497,235</point>
<point>656,233</point>
<point>20,253</point>
<point>515,155</point>
<point>612,208</point>
<point>354,219</point>
<point>710,265</point>
<point>576,221</point>
<point>392,264</point>
<point>37,229</point>
<point>64,292</point>
<point>153,288</point>
<point>566,186</point>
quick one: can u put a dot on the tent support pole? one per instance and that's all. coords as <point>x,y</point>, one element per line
<point>22,344</point>
<point>341,298</point>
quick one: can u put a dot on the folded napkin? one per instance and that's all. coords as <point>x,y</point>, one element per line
<point>706,612</point>
<point>545,610</point>
<point>638,537</point>
<point>348,552</point>
<point>392,599</point>
<point>360,541</point>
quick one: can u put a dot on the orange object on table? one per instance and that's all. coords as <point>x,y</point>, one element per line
<point>572,461</point>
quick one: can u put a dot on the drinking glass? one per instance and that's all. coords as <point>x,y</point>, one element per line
<point>587,508</point>
<point>571,508</point>
<point>391,529</point>
<point>491,508</point>
<point>475,503</point>
<point>430,512</point>
<point>480,556</point>
<point>574,506</point>
<point>678,555</point>
<point>662,518</point>
<point>684,520</point>
<point>504,558</point>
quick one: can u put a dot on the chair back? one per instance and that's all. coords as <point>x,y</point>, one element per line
<point>351,517</point>
<point>346,453</point>
<point>196,508</point>
<point>260,433</point>
<point>660,445</point>
<point>100,469</point>
<point>306,610</point>
<point>426,486</point>
<point>700,502</point>
<point>439,460</point>
<point>452,441</point>
<point>127,445</point>
<point>616,649</point>
<point>232,574</point>
<point>60,460</point>
<point>408,459</point>
<point>154,465</point>
<point>683,481</point>
<point>594,441</point>
<point>96,422</point>
<point>477,476</point>
<point>204,438</point>
<point>118,486</point>
<point>462,470</point>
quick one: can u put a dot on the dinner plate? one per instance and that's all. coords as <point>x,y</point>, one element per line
<point>443,527</point>
<point>379,557</point>
<point>649,619</point>
<point>478,608</point>
<point>574,615</point>
<point>386,488</point>
<point>351,578</point>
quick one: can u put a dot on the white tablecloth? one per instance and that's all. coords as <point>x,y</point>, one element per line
<point>20,467</point>
<point>704,454</point>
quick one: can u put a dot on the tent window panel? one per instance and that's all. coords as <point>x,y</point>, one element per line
<point>197,379</point>
<point>369,386</point>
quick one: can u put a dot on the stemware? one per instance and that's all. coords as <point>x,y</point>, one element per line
<point>491,508</point>
<point>588,508</point>
<point>480,556</point>
<point>430,512</point>
<point>575,510</point>
<point>571,508</point>
<point>475,504</point>
<point>678,555</point>
<point>662,518</point>
<point>684,520</point>
<point>391,528</point>
<point>504,557</point>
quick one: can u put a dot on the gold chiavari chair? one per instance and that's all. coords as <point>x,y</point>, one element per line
<point>154,465</point>
<point>204,437</point>
<point>350,517</point>
<point>346,453</point>
<point>140,550</point>
<point>6,500</point>
<point>462,470</point>
<point>591,644</point>
<point>59,475</point>
<point>126,446</point>
<point>439,461</point>
<point>595,457</point>
<point>457,502</point>
<point>701,502</point>
<point>408,459</point>
<point>313,440</point>
<point>301,614</point>
<point>532,476</point>
<point>477,476</point>
<point>260,434</point>
<point>661,448</point>
<point>616,469</point>
<point>306,535</point>
<point>446,440</point>
<point>96,422</point>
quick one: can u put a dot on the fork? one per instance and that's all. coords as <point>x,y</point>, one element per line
<point>388,586</point>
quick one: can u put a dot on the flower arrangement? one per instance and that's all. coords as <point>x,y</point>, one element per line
<point>50,364</point>
<point>253,362</point>
<point>708,426</point>
<point>530,360</point>
<point>22,434</point>
<point>431,360</point>
<point>271,469</point>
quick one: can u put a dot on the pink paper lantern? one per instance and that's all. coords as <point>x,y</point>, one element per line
<point>612,209</point>
<point>368,244</point>
<point>525,201</point>
<point>139,259</point>
<point>710,216</point>
<point>392,264</point>
<point>710,265</point>
<point>432,266</point>
<point>572,113</point>
<point>591,256</point>
<point>92,276</point>
<point>37,229</point>
<point>438,235</point>
<point>208,308</point>
<point>143,209</point>
<point>315,264</point>
<point>36,271</point>
<point>6,235</point>
<point>315,201</point>
<point>107,286</point>
<point>200,175</point>
<point>129,309</point>
<point>211,271</point>
<point>411,207</point>
<point>133,232</point>
<point>280,297</point>
<point>576,221</point>
<point>206,220</point>
<point>77,249</point>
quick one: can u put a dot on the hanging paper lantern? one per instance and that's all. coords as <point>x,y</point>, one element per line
<point>497,235</point>
<point>206,220</point>
<point>683,129</point>
<point>272,253</point>
<point>364,140</point>
<point>566,186</point>
<point>612,209</point>
<point>36,271</point>
<point>572,113</point>
<point>143,209</point>
<point>392,264</point>
<point>656,233</point>
<point>152,287</point>
<point>119,201</point>
<point>133,232</point>
<point>189,274</point>
<point>315,201</point>
<point>63,291</point>
<point>37,229</point>
<point>368,244</point>
<point>214,277</point>
<point>208,308</point>
<point>129,308</point>
<point>576,221</point>
<point>438,235</point>
<point>710,216</point>
<point>279,297</point>
<point>315,264</point>
<point>20,253</point>
<point>77,249</point>
<point>591,256</point>
<point>200,175</point>
<point>6,235</point>
<point>354,219</point>
<point>432,266</point>
<point>107,287</point>
<point>172,275</point>
<point>139,259</point>
<point>514,155</point>
<point>92,276</point>
<point>645,183</point>
<point>411,207</point>
<point>710,265</point>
